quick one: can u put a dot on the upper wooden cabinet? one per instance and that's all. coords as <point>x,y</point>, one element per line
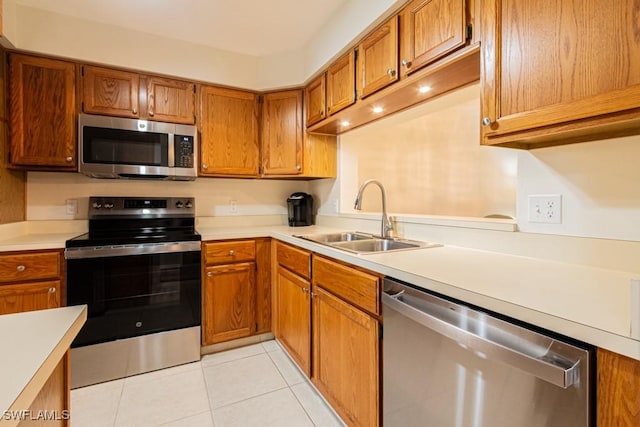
<point>282,137</point>
<point>315,97</point>
<point>110,92</point>
<point>430,29</point>
<point>554,73</point>
<point>128,94</point>
<point>341,83</point>
<point>42,97</point>
<point>378,58</point>
<point>228,132</point>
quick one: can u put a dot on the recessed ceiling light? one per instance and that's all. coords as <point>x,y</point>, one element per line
<point>345,123</point>
<point>424,89</point>
<point>378,110</point>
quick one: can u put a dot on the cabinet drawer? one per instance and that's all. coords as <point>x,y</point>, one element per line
<point>294,259</point>
<point>231,251</point>
<point>29,266</point>
<point>355,286</point>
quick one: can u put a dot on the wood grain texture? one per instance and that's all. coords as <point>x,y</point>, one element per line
<point>282,133</point>
<point>354,286</point>
<point>12,182</point>
<point>30,296</point>
<point>320,156</point>
<point>42,112</point>
<point>431,29</point>
<point>226,252</point>
<point>617,392</point>
<point>378,58</point>
<point>54,396</point>
<point>263,286</point>
<point>170,100</point>
<point>294,259</point>
<point>345,359</point>
<point>315,98</point>
<point>228,125</point>
<point>28,266</point>
<point>229,302</point>
<point>557,62</point>
<point>341,83</point>
<point>110,92</point>
<point>294,317</point>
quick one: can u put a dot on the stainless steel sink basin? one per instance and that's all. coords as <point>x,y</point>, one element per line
<point>363,243</point>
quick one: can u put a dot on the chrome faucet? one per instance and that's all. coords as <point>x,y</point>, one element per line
<point>386,229</point>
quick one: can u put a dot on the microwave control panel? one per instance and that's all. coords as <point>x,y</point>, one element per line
<point>184,151</point>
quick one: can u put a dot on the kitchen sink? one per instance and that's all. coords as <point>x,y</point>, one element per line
<point>364,243</point>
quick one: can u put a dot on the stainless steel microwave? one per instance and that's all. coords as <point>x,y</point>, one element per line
<point>113,147</point>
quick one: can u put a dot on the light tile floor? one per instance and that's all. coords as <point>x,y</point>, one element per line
<point>257,385</point>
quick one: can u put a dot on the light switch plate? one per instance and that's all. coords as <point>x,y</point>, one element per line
<point>72,206</point>
<point>545,208</point>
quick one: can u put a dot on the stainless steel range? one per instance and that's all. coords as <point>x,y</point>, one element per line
<point>138,270</point>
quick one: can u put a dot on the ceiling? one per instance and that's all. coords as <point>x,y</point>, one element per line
<point>250,27</point>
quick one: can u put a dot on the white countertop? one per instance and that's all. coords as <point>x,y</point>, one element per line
<point>590,304</point>
<point>35,342</point>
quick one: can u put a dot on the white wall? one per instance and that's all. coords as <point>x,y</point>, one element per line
<point>47,193</point>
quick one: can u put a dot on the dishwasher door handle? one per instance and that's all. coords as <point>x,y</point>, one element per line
<point>553,373</point>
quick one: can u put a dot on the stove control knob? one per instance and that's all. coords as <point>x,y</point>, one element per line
<point>188,205</point>
<point>179,204</point>
<point>97,205</point>
<point>108,205</point>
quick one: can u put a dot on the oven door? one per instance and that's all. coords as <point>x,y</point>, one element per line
<point>134,290</point>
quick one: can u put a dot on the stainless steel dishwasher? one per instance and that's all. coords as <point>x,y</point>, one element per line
<point>448,365</point>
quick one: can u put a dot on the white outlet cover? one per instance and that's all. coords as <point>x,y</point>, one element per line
<point>545,208</point>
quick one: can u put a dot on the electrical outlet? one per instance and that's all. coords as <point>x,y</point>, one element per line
<point>545,208</point>
<point>72,206</point>
<point>233,206</point>
<point>335,205</point>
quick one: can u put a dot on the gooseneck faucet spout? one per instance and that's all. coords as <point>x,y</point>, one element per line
<point>386,226</point>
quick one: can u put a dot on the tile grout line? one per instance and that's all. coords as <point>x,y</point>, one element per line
<point>206,390</point>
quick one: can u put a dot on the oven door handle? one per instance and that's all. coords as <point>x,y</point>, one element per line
<point>553,373</point>
<point>125,250</point>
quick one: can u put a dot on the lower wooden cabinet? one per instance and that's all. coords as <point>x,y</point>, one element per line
<point>53,400</point>
<point>16,298</point>
<point>236,296</point>
<point>618,390</point>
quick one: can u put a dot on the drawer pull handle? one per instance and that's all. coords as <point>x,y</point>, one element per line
<point>313,295</point>
<point>21,268</point>
<point>52,290</point>
<point>305,290</point>
<point>231,252</point>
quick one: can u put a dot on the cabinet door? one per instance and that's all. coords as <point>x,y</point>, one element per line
<point>282,133</point>
<point>53,396</point>
<point>345,358</point>
<point>29,296</point>
<point>110,92</point>
<point>549,65</point>
<point>42,94</point>
<point>378,58</point>
<point>229,132</point>
<point>315,97</point>
<point>170,100</point>
<point>341,83</point>
<point>294,317</point>
<point>431,29</point>
<point>229,302</point>
<point>617,392</point>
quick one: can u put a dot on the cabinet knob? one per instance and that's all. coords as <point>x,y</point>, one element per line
<point>486,121</point>
<point>313,295</point>
<point>406,63</point>
<point>134,111</point>
<point>205,166</point>
<point>21,268</point>
<point>209,274</point>
<point>69,159</point>
<point>391,72</point>
<point>305,290</point>
<point>151,113</point>
<point>52,290</point>
<point>231,252</point>
<point>298,167</point>
<point>322,112</point>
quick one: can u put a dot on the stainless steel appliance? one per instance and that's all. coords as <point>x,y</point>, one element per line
<point>300,208</point>
<point>112,147</point>
<point>138,271</point>
<point>447,364</point>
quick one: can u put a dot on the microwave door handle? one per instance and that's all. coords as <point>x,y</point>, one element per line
<point>172,151</point>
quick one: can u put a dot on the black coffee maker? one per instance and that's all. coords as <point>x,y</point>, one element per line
<point>300,207</point>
